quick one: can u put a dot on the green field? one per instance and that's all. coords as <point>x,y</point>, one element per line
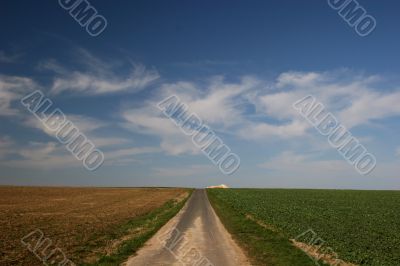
<point>362,227</point>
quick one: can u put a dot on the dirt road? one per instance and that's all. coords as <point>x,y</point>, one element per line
<point>194,237</point>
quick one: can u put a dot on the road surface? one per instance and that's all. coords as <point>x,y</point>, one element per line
<point>195,236</point>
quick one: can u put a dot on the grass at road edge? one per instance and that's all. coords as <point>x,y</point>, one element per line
<point>263,246</point>
<point>148,225</point>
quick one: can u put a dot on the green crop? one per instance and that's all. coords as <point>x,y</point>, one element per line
<point>362,227</point>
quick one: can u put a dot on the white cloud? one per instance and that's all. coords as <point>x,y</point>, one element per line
<point>186,171</point>
<point>351,97</point>
<point>12,89</point>
<point>251,110</point>
<point>114,148</point>
<point>5,145</point>
<point>85,124</point>
<point>257,131</point>
<point>217,102</point>
<point>298,79</point>
<point>48,155</point>
<point>218,105</point>
<point>98,77</point>
<point>126,156</point>
<point>103,142</point>
<point>222,103</point>
<point>38,151</point>
<point>150,121</point>
<point>290,163</point>
<point>86,83</point>
<point>370,106</point>
<point>7,58</point>
<point>53,155</point>
<point>294,169</point>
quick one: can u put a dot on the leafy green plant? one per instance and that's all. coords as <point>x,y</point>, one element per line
<point>362,227</point>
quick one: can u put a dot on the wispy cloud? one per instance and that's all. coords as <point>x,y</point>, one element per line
<point>40,155</point>
<point>251,109</point>
<point>96,76</point>
<point>7,58</point>
<point>125,156</point>
<point>12,88</point>
<point>219,105</point>
<point>185,171</point>
<point>290,163</point>
<point>84,123</point>
<point>260,110</point>
<point>149,121</point>
<point>352,97</point>
<point>52,155</point>
<point>205,63</point>
<point>6,144</point>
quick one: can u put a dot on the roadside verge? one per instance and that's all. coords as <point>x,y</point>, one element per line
<point>128,238</point>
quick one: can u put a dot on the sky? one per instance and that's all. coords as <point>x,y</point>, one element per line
<point>238,65</point>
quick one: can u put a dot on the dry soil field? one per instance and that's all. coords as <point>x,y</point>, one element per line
<point>83,222</point>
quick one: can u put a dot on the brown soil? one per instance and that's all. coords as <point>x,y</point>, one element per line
<point>73,218</point>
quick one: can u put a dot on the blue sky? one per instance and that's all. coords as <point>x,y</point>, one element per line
<point>239,65</point>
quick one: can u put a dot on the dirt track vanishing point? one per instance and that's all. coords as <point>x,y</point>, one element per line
<point>203,238</point>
